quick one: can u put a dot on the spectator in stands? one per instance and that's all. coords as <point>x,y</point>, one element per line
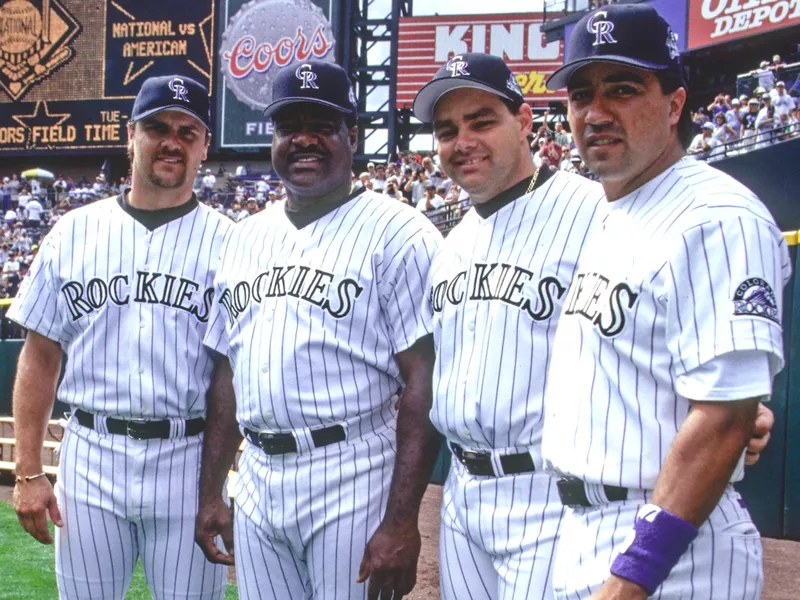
<point>430,200</point>
<point>35,188</point>
<point>33,213</point>
<point>718,106</point>
<point>574,162</point>
<point>14,184</point>
<point>783,102</point>
<point>379,180</point>
<point>562,137</point>
<point>416,185</point>
<point>209,181</point>
<point>11,217</point>
<point>12,264</point>
<point>392,189</point>
<point>24,197</point>
<point>766,121</point>
<point>703,143</point>
<point>776,63</point>
<point>723,133</point>
<point>749,121</point>
<point>734,116</point>
<point>371,170</point>
<point>262,188</point>
<point>250,208</point>
<point>233,211</point>
<point>5,195</point>
<point>408,173</point>
<point>551,150</point>
<point>4,287</point>
<point>766,77</point>
<point>433,174</point>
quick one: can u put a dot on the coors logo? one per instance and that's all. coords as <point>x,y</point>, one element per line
<point>266,36</point>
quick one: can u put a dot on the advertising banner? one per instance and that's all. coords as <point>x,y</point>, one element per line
<point>69,69</point>
<point>428,42</point>
<point>259,38</point>
<point>718,21</point>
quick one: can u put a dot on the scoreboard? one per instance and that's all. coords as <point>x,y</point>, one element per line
<point>69,69</point>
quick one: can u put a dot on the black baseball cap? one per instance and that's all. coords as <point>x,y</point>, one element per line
<point>314,81</point>
<point>172,92</point>
<point>629,34</point>
<point>470,70</point>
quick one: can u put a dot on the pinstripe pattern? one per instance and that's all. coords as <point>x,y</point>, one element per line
<point>651,320</point>
<point>724,561</point>
<point>311,320</point>
<point>681,258</point>
<point>129,307</point>
<point>496,288</point>
<point>113,513</point>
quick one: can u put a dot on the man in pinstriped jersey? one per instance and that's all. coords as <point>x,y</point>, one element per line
<point>495,293</point>
<point>317,307</point>
<point>669,336</point>
<point>123,287</point>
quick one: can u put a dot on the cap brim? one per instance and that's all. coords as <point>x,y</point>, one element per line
<point>560,77</point>
<point>432,92</point>
<point>175,107</point>
<point>279,104</point>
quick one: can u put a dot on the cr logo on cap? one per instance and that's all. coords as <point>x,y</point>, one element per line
<point>457,66</point>
<point>176,85</point>
<point>307,76</point>
<point>601,29</point>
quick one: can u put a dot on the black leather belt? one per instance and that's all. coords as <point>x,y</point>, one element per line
<point>480,463</point>
<point>572,492</point>
<point>140,429</point>
<point>273,443</point>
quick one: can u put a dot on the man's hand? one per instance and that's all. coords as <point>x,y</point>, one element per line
<point>390,561</point>
<point>765,421</point>
<point>215,518</point>
<point>616,588</point>
<point>33,501</point>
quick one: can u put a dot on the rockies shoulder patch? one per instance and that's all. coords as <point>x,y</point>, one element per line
<point>754,297</point>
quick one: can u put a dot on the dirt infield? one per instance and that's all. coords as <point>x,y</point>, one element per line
<point>780,557</point>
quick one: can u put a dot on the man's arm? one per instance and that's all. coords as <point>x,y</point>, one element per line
<point>38,369</point>
<point>220,442</point>
<point>390,559</point>
<point>697,470</point>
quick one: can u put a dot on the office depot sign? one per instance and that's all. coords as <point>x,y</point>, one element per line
<point>425,43</point>
<point>717,21</point>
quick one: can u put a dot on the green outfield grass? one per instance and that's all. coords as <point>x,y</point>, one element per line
<point>27,567</point>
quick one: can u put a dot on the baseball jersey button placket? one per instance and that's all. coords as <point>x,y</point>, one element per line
<point>265,368</point>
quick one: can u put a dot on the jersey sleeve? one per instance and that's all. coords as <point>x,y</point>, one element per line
<point>35,306</point>
<point>724,293</point>
<point>403,282</point>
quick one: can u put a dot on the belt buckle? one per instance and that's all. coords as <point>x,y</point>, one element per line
<point>572,492</point>
<point>275,442</point>
<point>478,463</point>
<point>133,429</point>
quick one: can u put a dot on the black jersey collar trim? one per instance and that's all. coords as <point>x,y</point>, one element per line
<point>301,218</point>
<point>488,208</point>
<point>153,219</point>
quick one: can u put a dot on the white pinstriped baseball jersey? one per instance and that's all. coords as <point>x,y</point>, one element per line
<point>496,289</point>
<point>684,271</point>
<point>128,310</point>
<point>312,318</point>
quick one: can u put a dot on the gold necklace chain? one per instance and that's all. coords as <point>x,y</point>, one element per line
<point>534,179</point>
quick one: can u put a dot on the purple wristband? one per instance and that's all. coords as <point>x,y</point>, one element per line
<point>657,542</point>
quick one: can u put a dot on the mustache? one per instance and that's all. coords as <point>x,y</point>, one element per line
<point>306,151</point>
<point>602,129</point>
<point>170,154</point>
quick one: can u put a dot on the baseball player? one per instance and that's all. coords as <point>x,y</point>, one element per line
<point>496,288</point>
<point>670,334</point>
<point>317,309</point>
<point>124,287</point>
